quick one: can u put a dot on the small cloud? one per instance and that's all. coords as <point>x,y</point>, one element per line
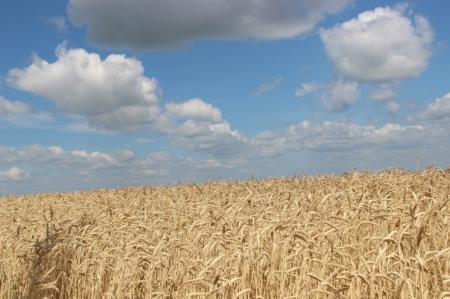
<point>14,107</point>
<point>307,88</point>
<point>211,164</point>
<point>58,22</point>
<point>20,114</point>
<point>195,109</point>
<point>437,110</point>
<point>393,107</point>
<point>83,127</point>
<point>268,86</point>
<point>341,95</point>
<point>14,174</point>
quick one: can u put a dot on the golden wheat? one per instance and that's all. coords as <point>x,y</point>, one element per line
<point>357,235</point>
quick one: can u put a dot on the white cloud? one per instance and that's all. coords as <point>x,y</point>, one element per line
<point>195,109</point>
<point>58,169</point>
<point>307,88</point>
<point>393,107</point>
<point>197,125</point>
<point>309,147</point>
<point>340,95</point>
<point>379,45</point>
<point>158,23</point>
<point>20,114</point>
<point>335,137</point>
<point>218,139</point>
<point>438,110</point>
<point>384,92</point>
<point>211,164</point>
<point>55,154</point>
<point>14,174</point>
<point>268,86</point>
<point>112,94</point>
<point>13,107</point>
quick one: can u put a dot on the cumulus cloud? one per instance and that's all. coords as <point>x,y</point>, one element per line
<point>384,92</point>
<point>380,45</point>
<point>14,174</point>
<point>393,107</point>
<point>340,95</point>
<point>268,86</point>
<point>438,110</point>
<point>160,23</point>
<point>307,88</point>
<point>112,93</point>
<point>200,126</point>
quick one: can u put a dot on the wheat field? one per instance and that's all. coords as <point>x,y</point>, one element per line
<point>356,235</point>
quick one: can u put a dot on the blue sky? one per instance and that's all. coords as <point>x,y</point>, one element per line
<point>100,94</point>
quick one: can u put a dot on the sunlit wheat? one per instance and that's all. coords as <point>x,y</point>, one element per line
<point>357,235</point>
